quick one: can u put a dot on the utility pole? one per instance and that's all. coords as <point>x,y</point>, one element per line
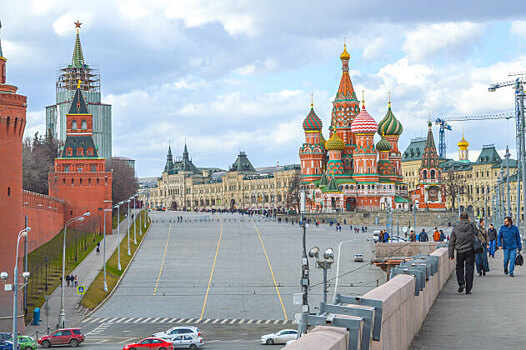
<point>304,271</point>
<point>521,96</point>
<point>507,156</point>
<point>485,209</point>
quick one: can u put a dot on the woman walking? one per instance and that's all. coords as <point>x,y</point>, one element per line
<point>481,259</point>
<point>492,237</point>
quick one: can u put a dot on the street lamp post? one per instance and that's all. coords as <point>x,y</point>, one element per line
<point>507,156</point>
<point>4,276</point>
<point>62,315</point>
<point>118,206</point>
<point>134,225</point>
<point>104,251</point>
<point>325,264</point>
<point>304,270</point>
<point>128,215</point>
<point>140,218</point>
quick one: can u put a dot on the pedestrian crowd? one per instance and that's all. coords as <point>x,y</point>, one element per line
<point>474,243</point>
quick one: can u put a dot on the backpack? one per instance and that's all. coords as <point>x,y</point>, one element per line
<point>477,244</point>
<point>519,260</point>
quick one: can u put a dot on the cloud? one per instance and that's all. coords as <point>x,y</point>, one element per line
<point>518,28</point>
<point>63,26</point>
<point>442,40</point>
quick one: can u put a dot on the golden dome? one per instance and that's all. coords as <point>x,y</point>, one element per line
<point>345,55</point>
<point>334,143</point>
<point>463,143</point>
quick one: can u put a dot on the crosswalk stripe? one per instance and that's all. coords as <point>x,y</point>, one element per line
<point>86,320</point>
<point>128,320</point>
<point>267,321</point>
<point>103,320</point>
<point>113,319</point>
<point>207,320</point>
<point>146,320</point>
<point>120,320</point>
<point>198,320</point>
<point>181,320</point>
<point>164,320</point>
<point>155,320</point>
<point>242,321</point>
<point>276,322</point>
<point>285,322</point>
<point>250,321</point>
<point>224,321</point>
<point>190,320</point>
<point>215,321</point>
<point>258,322</point>
<point>233,321</point>
<point>137,320</point>
<point>172,320</point>
<point>93,320</point>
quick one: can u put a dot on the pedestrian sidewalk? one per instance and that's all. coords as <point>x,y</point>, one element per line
<point>86,272</point>
<point>490,318</point>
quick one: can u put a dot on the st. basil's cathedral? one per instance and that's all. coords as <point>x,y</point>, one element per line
<point>349,171</point>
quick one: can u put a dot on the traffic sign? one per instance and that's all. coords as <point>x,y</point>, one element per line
<point>81,290</point>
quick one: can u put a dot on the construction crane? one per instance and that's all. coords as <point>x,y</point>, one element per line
<point>443,124</point>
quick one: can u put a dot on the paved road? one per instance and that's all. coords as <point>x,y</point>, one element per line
<point>490,318</point>
<point>171,275</point>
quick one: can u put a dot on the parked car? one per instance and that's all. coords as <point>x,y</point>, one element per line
<point>376,235</point>
<point>25,342</point>
<point>67,336</point>
<point>7,345</point>
<point>359,257</point>
<point>5,335</point>
<point>280,337</point>
<point>187,341</point>
<point>150,343</point>
<point>173,332</point>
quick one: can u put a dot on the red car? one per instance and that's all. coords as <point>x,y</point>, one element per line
<point>150,343</point>
<point>67,336</point>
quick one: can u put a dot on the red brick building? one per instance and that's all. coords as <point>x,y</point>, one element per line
<point>12,125</point>
<point>80,178</point>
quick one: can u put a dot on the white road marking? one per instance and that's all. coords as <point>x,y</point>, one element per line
<point>181,320</point>
<point>155,320</point>
<point>113,319</point>
<point>130,319</point>
<point>120,320</point>
<point>267,321</point>
<point>93,320</point>
<point>198,320</point>
<point>259,321</point>
<point>250,321</point>
<point>164,320</point>
<point>276,322</point>
<point>137,320</point>
<point>86,320</point>
<point>215,321</point>
<point>233,321</point>
<point>242,321</point>
<point>207,320</point>
<point>172,320</point>
<point>146,320</point>
<point>224,321</point>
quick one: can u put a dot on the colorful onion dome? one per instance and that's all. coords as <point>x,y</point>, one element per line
<point>363,123</point>
<point>463,143</point>
<point>335,143</point>
<point>345,55</point>
<point>322,139</point>
<point>390,125</point>
<point>383,145</point>
<point>312,122</point>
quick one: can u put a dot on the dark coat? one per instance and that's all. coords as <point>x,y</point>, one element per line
<point>461,238</point>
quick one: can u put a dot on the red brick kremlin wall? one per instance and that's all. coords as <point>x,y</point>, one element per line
<point>45,217</point>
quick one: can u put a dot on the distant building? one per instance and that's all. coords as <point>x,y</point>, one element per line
<point>125,160</point>
<point>67,81</point>
<point>183,186</point>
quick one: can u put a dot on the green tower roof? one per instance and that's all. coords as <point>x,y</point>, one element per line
<point>77,60</point>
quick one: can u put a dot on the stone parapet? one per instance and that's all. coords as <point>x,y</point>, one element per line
<point>402,312</point>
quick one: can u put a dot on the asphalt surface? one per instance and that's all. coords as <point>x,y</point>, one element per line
<point>230,275</point>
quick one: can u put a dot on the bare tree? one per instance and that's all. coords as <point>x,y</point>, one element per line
<point>294,195</point>
<point>124,183</point>
<point>38,156</point>
<point>454,186</point>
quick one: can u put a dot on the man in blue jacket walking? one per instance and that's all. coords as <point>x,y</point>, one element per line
<point>509,241</point>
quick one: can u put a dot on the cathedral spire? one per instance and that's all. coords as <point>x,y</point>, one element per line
<point>1,55</point>
<point>346,89</point>
<point>78,58</point>
<point>2,62</point>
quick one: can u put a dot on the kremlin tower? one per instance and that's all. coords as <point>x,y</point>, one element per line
<point>463,153</point>
<point>348,171</point>
<point>12,124</point>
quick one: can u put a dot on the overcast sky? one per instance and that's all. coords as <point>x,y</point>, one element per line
<point>234,76</point>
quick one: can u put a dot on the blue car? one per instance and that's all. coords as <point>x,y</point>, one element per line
<point>7,345</point>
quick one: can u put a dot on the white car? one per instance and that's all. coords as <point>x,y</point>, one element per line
<point>280,337</point>
<point>376,236</point>
<point>173,332</point>
<point>187,341</point>
<point>359,257</point>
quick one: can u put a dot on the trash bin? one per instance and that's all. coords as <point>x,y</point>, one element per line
<point>376,220</point>
<point>36,316</point>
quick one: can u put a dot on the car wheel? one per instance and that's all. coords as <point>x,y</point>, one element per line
<point>133,349</point>
<point>270,341</point>
<point>73,343</point>
<point>193,346</point>
<point>45,344</point>
<point>162,349</point>
<point>28,348</point>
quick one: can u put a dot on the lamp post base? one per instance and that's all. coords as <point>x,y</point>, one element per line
<point>62,319</point>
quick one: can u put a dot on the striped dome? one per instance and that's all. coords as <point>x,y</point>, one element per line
<point>363,123</point>
<point>334,143</point>
<point>312,122</point>
<point>390,125</point>
<point>383,145</point>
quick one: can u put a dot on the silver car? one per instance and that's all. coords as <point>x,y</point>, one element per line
<point>280,337</point>
<point>187,341</point>
<point>173,332</point>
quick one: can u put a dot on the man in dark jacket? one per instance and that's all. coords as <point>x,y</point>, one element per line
<point>461,239</point>
<point>492,237</point>
<point>423,236</point>
<point>510,241</point>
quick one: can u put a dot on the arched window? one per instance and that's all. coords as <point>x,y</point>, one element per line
<point>432,174</point>
<point>80,152</point>
<point>84,125</point>
<point>89,151</point>
<point>424,174</point>
<point>69,151</point>
<point>74,125</point>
